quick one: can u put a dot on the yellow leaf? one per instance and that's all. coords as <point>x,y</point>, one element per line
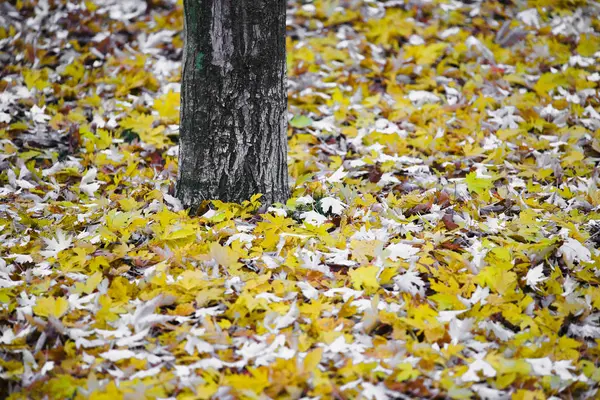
<point>191,279</point>
<point>498,279</point>
<point>205,296</point>
<point>478,185</point>
<point>36,79</point>
<point>50,306</point>
<point>312,360</point>
<point>573,157</point>
<point>549,81</point>
<point>128,204</point>
<point>179,231</point>
<point>446,301</point>
<point>167,106</point>
<point>426,55</point>
<point>223,255</point>
<point>139,123</point>
<point>256,382</point>
<point>362,249</point>
<point>102,139</point>
<point>588,45</point>
<point>74,70</point>
<point>365,277</point>
<point>206,391</point>
<point>117,220</point>
<point>156,137</point>
<point>407,372</point>
<point>92,282</point>
<point>387,275</point>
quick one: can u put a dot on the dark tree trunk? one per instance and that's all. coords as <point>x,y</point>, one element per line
<point>233,141</point>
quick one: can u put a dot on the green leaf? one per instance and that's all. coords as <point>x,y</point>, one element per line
<point>301,121</point>
<point>478,185</point>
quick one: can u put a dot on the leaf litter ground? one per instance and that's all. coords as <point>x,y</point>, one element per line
<point>441,240</point>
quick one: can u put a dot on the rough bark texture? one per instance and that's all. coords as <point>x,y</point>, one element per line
<point>233,141</point>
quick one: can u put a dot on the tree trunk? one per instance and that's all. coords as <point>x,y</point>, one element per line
<point>233,140</point>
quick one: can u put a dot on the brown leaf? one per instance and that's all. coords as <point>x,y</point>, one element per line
<point>449,222</point>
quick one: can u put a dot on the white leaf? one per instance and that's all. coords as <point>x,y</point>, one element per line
<point>21,258</point>
<point>89,176</point>
<point>460,330</point>
<point>326,124</point>
<point>420,97</point>
<point>410,282</point>
<point>55,246</point>
<point>313,218</point>
<point>472,41</point>
<point>501,333</point>
<point>7,336</point>
<point>346,293</point>
<point>277,211</point>
<point>572,250</point>
<point>375,392</point>
<point>173,202</point>
<point>269,297</point>
<point>530,17</point>
<point>535,276</point>
<point>308,291</point>
<point>337,176</point>
<point>89,189</point>
<point>339,257</point>
<point>562,368</point>
<point>478,365</point>
<point>401,250</point>
<point>22,183</point>
<point>540,366</point>
<point>304,200</point>
<point>88,184</point>
<point>339,345</point>
<point>333,204</point>
<point>242,238</point>
<point>194,343</point>
<point>117,355</point>
<point>449,315</point>
<point>289,318</point>
<point>570,285</point>
<point>38,114</point>
<point>48,366</point>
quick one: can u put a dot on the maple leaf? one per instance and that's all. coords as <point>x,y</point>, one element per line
<point>573,251</point>
<point>410,282</point>
<point>313,218</point>
<point>117,355</point>
<point>478,184</point>
<point>143,125</point>
<point>337,176</point>
<point>56,245</point>
<point>479,365</point>
<point>365,277</point>
<point>300,121</point>
<point>548,82</point>
<point>88,184</point>
<point>139,123</point>
<point>167,106</point>
<point>308,290</point>
<point>535,275</point>
<point>400,250</point>
<point>333,205</point>
<point>51,306</point>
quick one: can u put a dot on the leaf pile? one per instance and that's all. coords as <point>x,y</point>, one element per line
<point>441,241</point>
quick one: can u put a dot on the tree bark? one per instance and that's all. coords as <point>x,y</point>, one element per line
<point>233,132</point>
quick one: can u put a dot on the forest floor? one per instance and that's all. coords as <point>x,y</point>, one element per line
<point>441,240</point>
